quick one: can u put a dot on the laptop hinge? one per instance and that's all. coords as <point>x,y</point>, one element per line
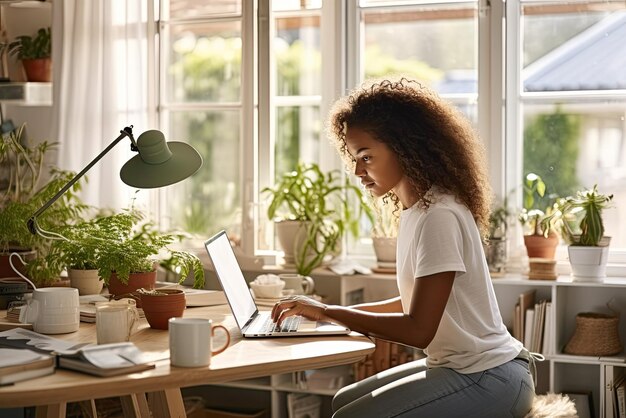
<point>252,318</point>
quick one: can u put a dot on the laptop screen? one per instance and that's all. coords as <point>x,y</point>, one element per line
<point>231,278</point>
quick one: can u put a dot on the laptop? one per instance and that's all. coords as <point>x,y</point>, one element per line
<point>250,320</point>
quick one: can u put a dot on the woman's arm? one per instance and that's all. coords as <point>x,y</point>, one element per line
<point>417,328</point>
<point>384,306</point>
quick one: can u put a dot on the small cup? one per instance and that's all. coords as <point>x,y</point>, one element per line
<point>267,291</point>
<point>52,310</point>
<point>115,320</point>
<point>191,341</point>
<point>301,285</point>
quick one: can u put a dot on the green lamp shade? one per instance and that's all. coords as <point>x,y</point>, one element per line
<point>159,163</point>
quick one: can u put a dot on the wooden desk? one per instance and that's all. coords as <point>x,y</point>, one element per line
<point>159,389</point>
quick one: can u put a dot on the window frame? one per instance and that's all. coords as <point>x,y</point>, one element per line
<point>499,99</point>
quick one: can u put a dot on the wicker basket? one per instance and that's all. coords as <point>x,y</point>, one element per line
<point>596,334</point>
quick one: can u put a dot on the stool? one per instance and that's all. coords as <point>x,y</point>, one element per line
<point>552,405</point>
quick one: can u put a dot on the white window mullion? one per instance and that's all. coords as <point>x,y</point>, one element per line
<point>265,115</point>
<point>491,89</point>
<point>353,57</point>
<point>513,123</point>
<point>249,134</point>
<point>333,72</point>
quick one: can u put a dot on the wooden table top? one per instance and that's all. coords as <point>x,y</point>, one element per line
<point>243,359</point>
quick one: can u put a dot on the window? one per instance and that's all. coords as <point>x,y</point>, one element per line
<point>572,98</point>
<point>251,88</point>
<point>201,103</point>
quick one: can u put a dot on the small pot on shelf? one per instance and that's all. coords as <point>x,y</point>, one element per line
<point>159,305</point>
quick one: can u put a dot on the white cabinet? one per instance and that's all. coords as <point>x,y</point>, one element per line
<point>563,373</point>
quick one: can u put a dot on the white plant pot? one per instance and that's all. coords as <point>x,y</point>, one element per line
<point>385,249</point>
<point>588,263</point>
<point>86,281</point>
<point>291,236</point>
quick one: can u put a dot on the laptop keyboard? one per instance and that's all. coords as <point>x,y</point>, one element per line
<point>290,324</point>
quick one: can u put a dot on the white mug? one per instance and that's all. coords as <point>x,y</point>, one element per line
<point>191,341</point>
<point>52,310</point>
<point>301,285</point>
<point>115,320</point>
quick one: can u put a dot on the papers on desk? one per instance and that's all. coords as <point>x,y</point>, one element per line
<point>107,360</point>
<point>197,297</point>
<point>25,338</point>
<point>88,307</point>
<point>22,364</point>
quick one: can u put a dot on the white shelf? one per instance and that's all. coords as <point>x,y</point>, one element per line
<point>26,94</point>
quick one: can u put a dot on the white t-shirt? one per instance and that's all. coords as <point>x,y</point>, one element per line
<point>471,336</point>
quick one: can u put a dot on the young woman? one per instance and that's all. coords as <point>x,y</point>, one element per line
<point>406,144</point>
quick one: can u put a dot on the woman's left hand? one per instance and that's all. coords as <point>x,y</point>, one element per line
<point>298,305</point>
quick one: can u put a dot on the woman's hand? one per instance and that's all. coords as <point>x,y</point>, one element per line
<point>298,305</point>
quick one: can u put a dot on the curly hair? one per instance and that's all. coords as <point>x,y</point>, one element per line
<point>434,142</point>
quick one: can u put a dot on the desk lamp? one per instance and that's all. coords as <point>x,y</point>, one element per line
<point>159,163</point>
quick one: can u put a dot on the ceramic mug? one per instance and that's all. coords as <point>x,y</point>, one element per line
<point>116,320</point>
<point>52,310</point>
<point>191,341</point>
<point>301,285</point>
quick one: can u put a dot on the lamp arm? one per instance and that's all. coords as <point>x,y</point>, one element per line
<point>32,221</point>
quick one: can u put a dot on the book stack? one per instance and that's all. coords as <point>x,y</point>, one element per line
<point>619,398</point>
<point>21,364</point>
<point>532,323</point>
<point>11,289</point>
<point>302,405</point>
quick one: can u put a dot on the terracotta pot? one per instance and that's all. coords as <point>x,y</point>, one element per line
<point>135,281</point>
<point>163,304</point>
<point>38,69</point>
<point>5,267</point>
<point>539,246</point>
<point>87,282</point>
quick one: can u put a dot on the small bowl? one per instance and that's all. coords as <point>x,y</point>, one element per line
<point>267,291</point>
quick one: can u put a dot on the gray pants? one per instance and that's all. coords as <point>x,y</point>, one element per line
<point>413,390</point>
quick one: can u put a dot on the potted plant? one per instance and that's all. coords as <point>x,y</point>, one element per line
<point>495,245</point>
<point>35,52</point>
<point>582,227</point>
<point>24,187</point>
<point>540,238</point>
<point>125,251</point>
<point>385,233</point>
<point>312,212</point>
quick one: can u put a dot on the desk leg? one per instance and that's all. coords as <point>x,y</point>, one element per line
<point>58,410</point>
<point>135,406</point>
<point>167,404</point>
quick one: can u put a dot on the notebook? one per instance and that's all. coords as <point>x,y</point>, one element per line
<point>251,322</point>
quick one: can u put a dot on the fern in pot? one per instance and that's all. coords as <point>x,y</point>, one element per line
<point>125,251</point>
<point>312,211</point>
<point>582,227</point>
